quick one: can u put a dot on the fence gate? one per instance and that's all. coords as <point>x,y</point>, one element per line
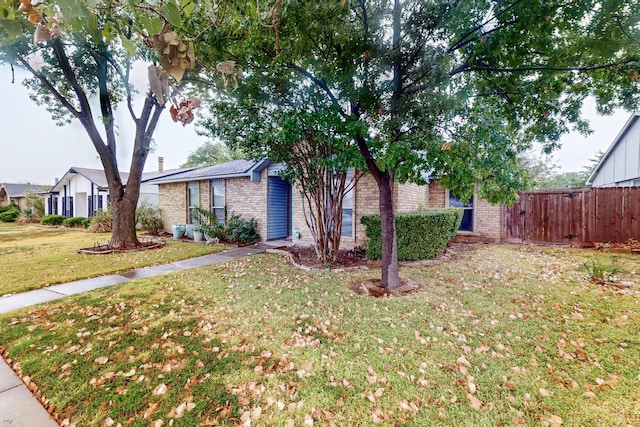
<point>580,216</point>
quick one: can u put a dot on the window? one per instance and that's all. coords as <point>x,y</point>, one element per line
<point>218,199</point>
<point>467,217</point>
<point>193,199</point>
<point>347,213</point>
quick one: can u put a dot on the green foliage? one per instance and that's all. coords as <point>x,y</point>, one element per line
<point>545,177</point>
<point>28,216</point>
<point>599,270</point>
<point>9,213</point>
<point>212,153</point>
<point>52,220</point>
<point>102,222</point>
<point>421,235</point>
<point>77,222</point>
<point>149,218</point>
<point>241,230</point>
<point>36,203</point>
<point>208,223</point>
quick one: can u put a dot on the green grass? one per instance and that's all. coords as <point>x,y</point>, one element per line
<point>518,332</point>
<point>33,257</point>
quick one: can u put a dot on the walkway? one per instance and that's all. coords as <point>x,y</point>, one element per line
<point>18,407</point>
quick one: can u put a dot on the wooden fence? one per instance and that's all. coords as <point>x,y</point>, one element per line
<point>580,216</point>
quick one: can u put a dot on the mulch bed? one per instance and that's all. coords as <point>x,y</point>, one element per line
<point>306,256</point>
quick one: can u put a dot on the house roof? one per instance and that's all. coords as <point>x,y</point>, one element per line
<point>635,116</point>
<point>98,177</point>
<point>232,169</point>
<point>21,190</point>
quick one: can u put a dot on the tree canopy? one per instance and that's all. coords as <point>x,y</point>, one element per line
<point>455,90</point>
<point>212,153</point>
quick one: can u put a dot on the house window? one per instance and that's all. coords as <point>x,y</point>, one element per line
<point>467,217</point>
<point>347,213</point>
<point>193,200</point>
<point>218,199</point>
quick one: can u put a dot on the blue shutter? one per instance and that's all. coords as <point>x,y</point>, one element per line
<point>277,208</point>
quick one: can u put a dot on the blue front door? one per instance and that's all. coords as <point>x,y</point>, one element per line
<point>278,208</point>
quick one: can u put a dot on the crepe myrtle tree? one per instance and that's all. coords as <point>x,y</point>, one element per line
<point>457,90</point>
<point>79,56</point>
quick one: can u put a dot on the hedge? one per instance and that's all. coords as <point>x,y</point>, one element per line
<point>9,213</point>
<point>77,222</point>
<point>52,220</point>
<point>422,235</point>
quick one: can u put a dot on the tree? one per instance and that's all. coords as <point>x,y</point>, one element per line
<point>314,147</point>
<point>456,89</point>
<point>80,54</point>
<point>546,178</point>
<point>212,153</point>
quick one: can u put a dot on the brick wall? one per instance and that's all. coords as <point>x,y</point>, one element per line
<point>411,197</point>
<point>487,220</point>
<point>205,194</point>
<point>248,199</point>
<point>437,195</point>
<point>172,202</point>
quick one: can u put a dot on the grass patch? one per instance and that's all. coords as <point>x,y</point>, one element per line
<point>33,257</point>
<point>502,335</point>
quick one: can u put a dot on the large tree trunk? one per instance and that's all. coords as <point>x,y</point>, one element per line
<point>390,270</point>
<point>124,222</point>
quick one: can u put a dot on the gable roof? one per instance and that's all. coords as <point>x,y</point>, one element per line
<point>634,117</point>
<point>98,177</point>
<point>232,169</point>
<point>21,190</point>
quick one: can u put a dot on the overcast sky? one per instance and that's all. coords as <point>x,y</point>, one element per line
<point>35,150</point>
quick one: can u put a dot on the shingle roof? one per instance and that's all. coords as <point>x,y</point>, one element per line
<point>21,190</point>
<point>98,177</point>
<point>233,168</point>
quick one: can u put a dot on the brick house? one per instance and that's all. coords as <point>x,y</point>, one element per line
<point>253,189</point>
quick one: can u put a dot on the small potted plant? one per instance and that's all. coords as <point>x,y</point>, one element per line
<point>198,232</point>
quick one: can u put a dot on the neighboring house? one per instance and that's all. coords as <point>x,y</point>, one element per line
<point>17,193</point>
<point>82,192</point>
<point>620,165</point>
<point>253,189</point>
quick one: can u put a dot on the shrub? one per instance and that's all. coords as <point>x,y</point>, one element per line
<point>421,235</point>
<point>208,223</point>
<point>52,220</point>
<point>28,216</point>
<point>102,222</point>
<point>9,213</point>
<point>600,271</point>
<point>149,218</point>
<point>77,222</point>
<point>241,230</point>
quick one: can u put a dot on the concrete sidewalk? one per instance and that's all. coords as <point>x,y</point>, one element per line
<point>18,407</point>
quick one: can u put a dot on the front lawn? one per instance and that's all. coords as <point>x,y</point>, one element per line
<point>33,257</point>
<point>499,335</point>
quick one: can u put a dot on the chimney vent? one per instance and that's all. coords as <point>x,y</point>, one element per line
<point>160,164</point>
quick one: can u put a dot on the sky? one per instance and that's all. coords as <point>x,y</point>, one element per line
<point>34,150</point>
